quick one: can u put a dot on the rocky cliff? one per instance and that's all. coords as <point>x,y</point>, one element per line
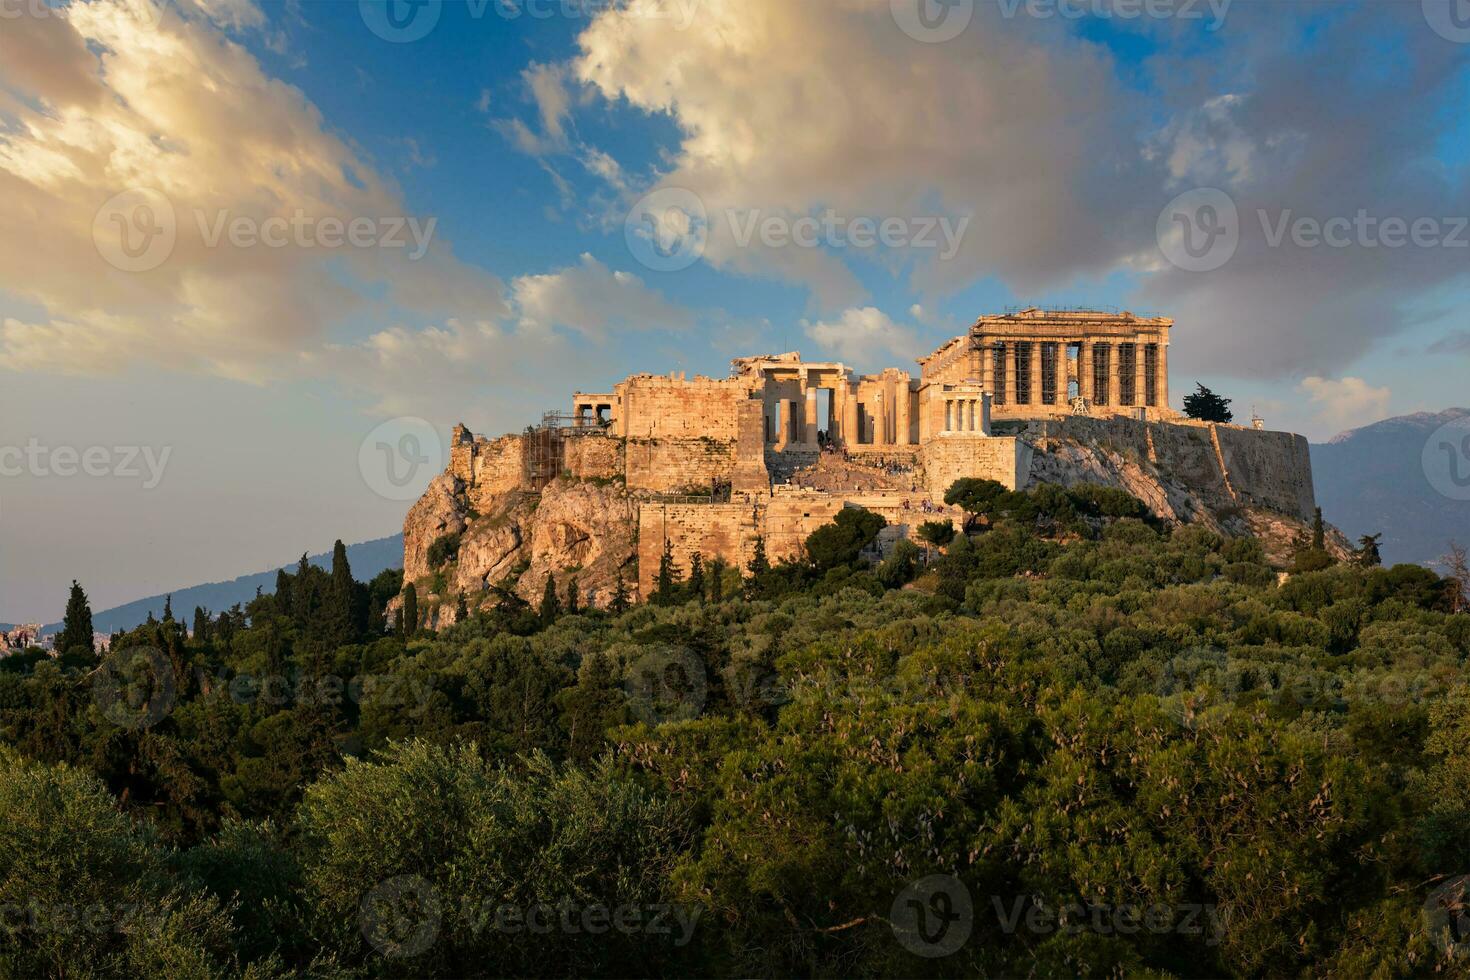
<point>512,512</point>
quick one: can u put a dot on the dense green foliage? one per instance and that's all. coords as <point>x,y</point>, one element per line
<point>1204,404</point>
<point>1071,711</point>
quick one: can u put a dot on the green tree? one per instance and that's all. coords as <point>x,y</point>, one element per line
<point>620,596</point>
<point>1367,554</point>
<point>667,583</point>
<point>550,604</point>
<point>574,599</point>
<point>76,624</point>
<point>1319,531</point>
<point>696,576</point>
<point>842,541</point>
<point>201,625</point>
<point>976,497</point>
<point>1207,406</point>
<point>717,569</point>
<point>410,609</point>
<point>592,706</point>
<point>283,592</point>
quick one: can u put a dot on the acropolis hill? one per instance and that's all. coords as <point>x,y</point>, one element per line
<point>776,449</point>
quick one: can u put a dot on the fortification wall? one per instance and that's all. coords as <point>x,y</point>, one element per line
<point>1005,459</point>
<point>725,531</point>
<point>671,465</point>
<point>1223,465</point>
<point>592,457</point>
<point>489,468</point>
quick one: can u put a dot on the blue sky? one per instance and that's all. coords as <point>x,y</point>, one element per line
<point>1052,144</point>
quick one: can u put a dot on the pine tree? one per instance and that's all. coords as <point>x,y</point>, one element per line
<point>1368,555</point>
<point>302,606</point>
<point>461,609</point>
<point>550,604</point>
<point>1458,567</point>
<point>696,576</point>
<point>283,592</point>
<point>590,707</point>
<point>76,626</point>
<point>573,602</point>
<point>1207,406</point>
<point>620,597</point>
<point>1319,532</point>
<point>410,610</point>
<point>759,564</point>
<point>201,625</point>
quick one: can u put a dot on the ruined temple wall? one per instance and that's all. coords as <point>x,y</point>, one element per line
<point>1005,459</point>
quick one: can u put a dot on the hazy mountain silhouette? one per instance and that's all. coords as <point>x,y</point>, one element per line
<point>1372,479</point>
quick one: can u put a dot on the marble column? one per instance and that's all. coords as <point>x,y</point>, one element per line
<point>1036,373</point>
<point>1140,376</point>
<point>904,416</point>
<point>849,416</point>
<point>1163,374</point>
<point>809,423</point>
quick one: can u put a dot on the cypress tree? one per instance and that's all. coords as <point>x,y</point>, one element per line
<point>620,597</point>
<point>759,563</point>
<point>338,613</point>
<point>550,604</point>
<point>663,591</point>
<point>76,626</point>
<point>461,609</point>
<point>696,576</point>
<point>301,587</point>
<point>201,625</point>
<point>168,608</point>
<point>717,580</point>
<point>410,611</point>
<point>1319,542</point>
<point>573,602</point>
<point>283,592</point>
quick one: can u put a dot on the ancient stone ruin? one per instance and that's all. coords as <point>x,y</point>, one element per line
<point>776,449</point>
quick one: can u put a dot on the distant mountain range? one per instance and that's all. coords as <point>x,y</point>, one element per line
<point>1372,480</point>
<point>367,560</point>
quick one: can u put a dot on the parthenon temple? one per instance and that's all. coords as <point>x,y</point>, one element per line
<point>1029,364</point>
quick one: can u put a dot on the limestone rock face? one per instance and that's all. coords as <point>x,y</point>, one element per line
<point>438,512</point>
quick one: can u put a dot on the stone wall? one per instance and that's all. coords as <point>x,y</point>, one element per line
<point>670,465</point>
<point>664,407</point>
<point>592,457</point>
<point>1224,465</point>
<point>489,469</point>
<point>1005,459</point>
<point>725,531</point>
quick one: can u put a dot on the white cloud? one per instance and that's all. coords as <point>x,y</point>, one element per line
<point>1345,403</point>
<point>119,102</point>
<point>866,337</point>
<point>594,300</point>
<point>794,108</point>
